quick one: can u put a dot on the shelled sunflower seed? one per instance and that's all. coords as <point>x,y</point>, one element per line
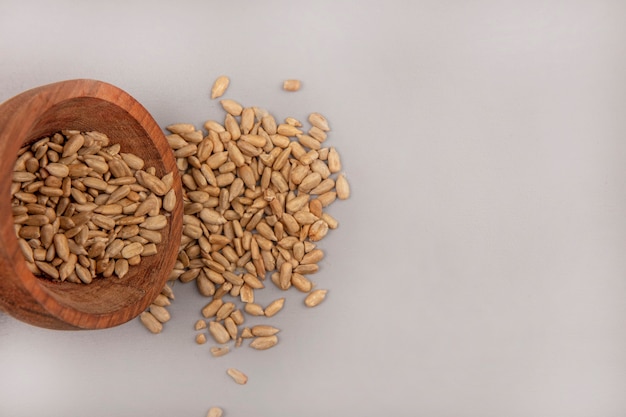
<point>255,191</point>
<point>84,209</point>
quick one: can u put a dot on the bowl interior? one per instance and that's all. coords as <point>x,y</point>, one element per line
<point>106,295</point>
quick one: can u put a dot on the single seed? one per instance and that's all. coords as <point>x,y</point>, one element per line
<point>219,86</point>
<point>231,327</point>
<point>301,283</point>
<point>224,311</point>
<point>201,338</point>
<point>264,342</point>
<point>274,307</point>
<point>150,322</point>
<point>343,189</point>
<point>211,308</point>
<point>264,330</point>
<point>160,313</point>
<point>334,161</point>
<point>231,107</point>
<point>291,85</point>
<point>218,332</point>
<point>214,412</point>
<point>319,121</point>
<point>133,249</point>
<point>315,298</point>
<point>58,170</point>
<point>254,309</point>
<point>219,351</point>
<point>237,376</point>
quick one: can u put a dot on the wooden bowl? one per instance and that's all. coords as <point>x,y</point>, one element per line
<point>106,302</point>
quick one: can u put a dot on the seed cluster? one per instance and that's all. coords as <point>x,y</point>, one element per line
<point>254,198</point>
<point>81,208</point>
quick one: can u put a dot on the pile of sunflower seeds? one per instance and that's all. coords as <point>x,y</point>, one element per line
<point>255,192</point>
<point>82,209</point>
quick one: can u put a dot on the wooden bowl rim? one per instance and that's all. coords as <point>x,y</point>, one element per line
<point>55,312</point>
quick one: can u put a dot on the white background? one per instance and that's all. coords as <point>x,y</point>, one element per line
<point>479,267</point>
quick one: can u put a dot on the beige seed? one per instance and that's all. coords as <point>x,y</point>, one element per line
<point>291,85</point>
<point>274,307</point>
<point>154,223</point>
<point>231,327</point>
<point>37,220</point>
<point>83,274</point>
<point>47,269</point>
<point>246,294</point>
<point>327,198</point>
<point>200,325</point>
<point>231,107</point>
<point>264,330</point>
<point>246,333</point>
<point>237,317</point>
<point>68,268</point>
<point>214,412</point>
<point>237,376</point>
<point>264,342</point>
<point>162,300</point>
<point>121,268</point>
<point>285,276</point>
<point>58,170</point>
<point>51,191</point>
<point>315,298</point>
<point>95,183</point>
<point>343,188</point>
<point>254,309</point>
<point>149,249</point>
<point>307,269</point>
<point>133,161</point>
<point>169,201</point>
<point>313,256</point>
<point>254,140</point>
<point>319,121</point>
<point>309,182</point>
<point>201,338</point>
<point>297,203</point>
<point>219,86</point>
<point>153,183</point>
<point>334,161</point>
<point>309,142</point>
<point>181,127</point>
<point>219,351</point>
<point>301,283</point>
<point>27,251</point>
<point>153,236</point>
<point>22,176</point>
<point>305,217</point>
<point>247,120</point>
<point>73,144</point>
<point>211,216</point>
<point>132,249</point>
<point>167,291</point>
<point>318,230</point>
<point>211,308</point>
<point>326,185</point>
<point>61,246</point>
<point>288,130</point>
<point>225,310</point>
<point>150,322</point>
<point>147,206</point>
<point>218,332</point>
<point>160,313</point>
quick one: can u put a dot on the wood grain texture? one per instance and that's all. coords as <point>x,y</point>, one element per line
<point>106,302</point>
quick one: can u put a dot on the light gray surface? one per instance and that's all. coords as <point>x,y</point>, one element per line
<point>479,268</point>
